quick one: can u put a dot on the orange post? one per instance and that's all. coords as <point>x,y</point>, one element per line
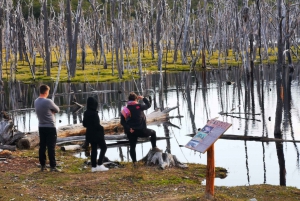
<point>210,173</point>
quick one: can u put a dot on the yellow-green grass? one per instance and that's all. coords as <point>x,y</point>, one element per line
<point>95,72</point>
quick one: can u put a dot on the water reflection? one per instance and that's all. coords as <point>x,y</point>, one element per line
<point>248,103</point>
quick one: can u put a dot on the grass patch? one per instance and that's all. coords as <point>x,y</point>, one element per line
<point>21,179</point>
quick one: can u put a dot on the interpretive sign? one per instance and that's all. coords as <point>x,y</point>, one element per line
<point>205,137</point>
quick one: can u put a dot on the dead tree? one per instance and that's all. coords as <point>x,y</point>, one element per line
<point>73,36</point>
<point>46,38</point>
<point>159,46</point>
<point>1,53</point>
<point>186,40</point>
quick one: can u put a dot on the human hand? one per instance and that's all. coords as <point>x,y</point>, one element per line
<point>140,97</point>
<point>131,130</point>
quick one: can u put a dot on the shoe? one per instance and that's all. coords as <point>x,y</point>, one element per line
<point>102,168</point>
<point>156,149</point>
<point>94,169</point>
<point>54,169</point>
<point>43,168</point>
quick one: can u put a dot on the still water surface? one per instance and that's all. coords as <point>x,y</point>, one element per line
<point>200,97</point>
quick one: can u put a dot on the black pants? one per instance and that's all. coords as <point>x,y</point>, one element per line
<point>48,138</point>
<point>101,143</point>
<point>140,133</point>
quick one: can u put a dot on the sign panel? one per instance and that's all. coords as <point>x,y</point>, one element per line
<point>205,137</point>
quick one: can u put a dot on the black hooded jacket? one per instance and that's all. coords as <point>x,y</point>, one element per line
<point>94,131</point>
<point>138,118</point>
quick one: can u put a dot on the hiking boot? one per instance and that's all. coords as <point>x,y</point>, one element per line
<point>43,168</point>
<point>156,149</point>
<point>54,169</point>
<point>102,168</point>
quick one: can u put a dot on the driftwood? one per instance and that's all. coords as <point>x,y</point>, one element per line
<point>8,147</point>
<point>31,140</point>
<point>252,138</point>
<point>70,147</point>
<point>163,160</point>
<point>120,140</point>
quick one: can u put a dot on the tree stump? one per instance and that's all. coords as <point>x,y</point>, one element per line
<point>163,160</point>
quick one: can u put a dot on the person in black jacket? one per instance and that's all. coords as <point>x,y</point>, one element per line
<point>133,120</point>
<point>94,134</point>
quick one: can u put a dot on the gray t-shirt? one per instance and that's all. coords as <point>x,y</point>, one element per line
<point>45,109</point>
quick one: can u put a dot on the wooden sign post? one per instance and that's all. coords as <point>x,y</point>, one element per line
<point>210,173</point>
<point>204,141</point>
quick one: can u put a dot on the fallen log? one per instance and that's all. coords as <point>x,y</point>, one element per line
<point>31,140</point>
<point>82,138</point>
<point>120,140</point>
<point>70,147</point>
<point>252,138</point>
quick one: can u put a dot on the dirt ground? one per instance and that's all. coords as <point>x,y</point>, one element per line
<point>21,179</point>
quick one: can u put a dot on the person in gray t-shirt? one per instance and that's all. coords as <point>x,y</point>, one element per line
<point>45,110</point>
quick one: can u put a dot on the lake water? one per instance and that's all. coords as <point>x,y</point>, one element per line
<point>200,97</point>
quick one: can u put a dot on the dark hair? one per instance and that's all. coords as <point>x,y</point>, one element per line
<point>132,96</point>
<point>44,88</point>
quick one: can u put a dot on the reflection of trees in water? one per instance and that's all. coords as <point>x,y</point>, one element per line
<point>239,96</point>
<point>189,102</point>
<point>260,94</point>
<point>287,104</point>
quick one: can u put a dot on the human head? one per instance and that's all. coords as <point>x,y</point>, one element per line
<point>132,96</point>
<point>92,104</point>
<point>44,89</point>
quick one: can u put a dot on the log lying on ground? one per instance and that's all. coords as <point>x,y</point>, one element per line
<point>163,160</point>
<point>70,147</point>
<point>82,138</point>
<point>120,140</point>
<point>31,140</point>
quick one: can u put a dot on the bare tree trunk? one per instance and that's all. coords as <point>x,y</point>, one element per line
<point>73,61</point>
<point>287,38</point>
<point>279,88</point>
<point>69,28</point>
<point>46,37</point>
<point>112,20</point>
<point>1,61</point>
<point>120,38</point>
<point>259,30</point>
<point>151,29</point>
<point>186,40</point>
<point>159,34</point>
